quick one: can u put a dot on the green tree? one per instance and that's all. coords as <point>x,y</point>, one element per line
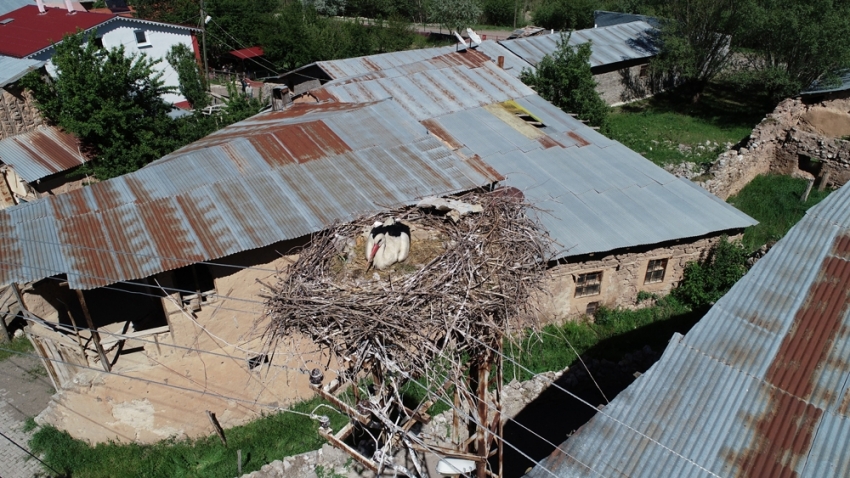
<point>789,44</point>
<point>192,87</point>
<point>111,101</point>
<point>454,14</point>
<point>695,40</point>
<point>706,281</point>
<point>566,14</point>
<point>564,78</point>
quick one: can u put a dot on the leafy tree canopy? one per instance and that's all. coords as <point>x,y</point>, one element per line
<point>454,14</point>
<point>564,78</point>
<point>192,86</point>
<point>110,100</point>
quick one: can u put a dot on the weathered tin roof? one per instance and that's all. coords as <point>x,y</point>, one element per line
<point>13,69</point>
<point>489,50</point>
<point>759,387</point>
<point>41,152</point>
<point>612,44</point>
<point>819,87</point>
<point>599,195</point>
<point>273,177</point>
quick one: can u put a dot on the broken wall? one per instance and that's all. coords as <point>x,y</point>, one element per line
<point>18,113</point>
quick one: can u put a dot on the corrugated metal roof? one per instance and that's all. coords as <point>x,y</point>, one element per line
<point>273,177</point>
<point>13,69</point>
<point>599,195</point>
<point>613,44</point>
<point>41,152</point>
<point>601,18</point>
<point>759,387</point>
<point>7,6</point>
<point>819,87</point>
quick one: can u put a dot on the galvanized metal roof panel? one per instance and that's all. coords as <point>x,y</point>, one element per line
<point>13,69</point>
<point>232,193</point>
<point>41,152</point>
<point>759,387</point>
<point>598,199</point>
<point>611,44</point>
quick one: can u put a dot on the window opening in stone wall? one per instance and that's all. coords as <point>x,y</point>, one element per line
<point>141,38</point>
<point>655,271</point>
<point>591,308</point>
<point>588,284</point>
<point>644,71</point>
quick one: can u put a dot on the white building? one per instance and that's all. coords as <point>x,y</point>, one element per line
<point>29,33</point>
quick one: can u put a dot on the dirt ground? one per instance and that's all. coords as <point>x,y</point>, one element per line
<point>165,391</point>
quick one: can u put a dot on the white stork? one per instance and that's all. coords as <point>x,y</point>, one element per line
<point>388,243</point>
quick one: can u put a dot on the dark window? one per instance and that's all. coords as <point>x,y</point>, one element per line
<point>141,37</point>
<point>588,284</point>
<point>98,42</point>
<point>644,71</point>
<point>591,308</point>
<point>655,271</point>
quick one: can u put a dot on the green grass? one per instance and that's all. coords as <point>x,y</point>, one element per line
<point>264,440</point>
<point>774,201</point>
<point>614,333</point>
<point>657,126</point>
<point>20,345</point>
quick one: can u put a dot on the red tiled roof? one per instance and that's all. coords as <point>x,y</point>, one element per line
<point>31,31</point>
<point>246,53</point>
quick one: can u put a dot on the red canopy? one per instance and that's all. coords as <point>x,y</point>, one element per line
<point>246,53</point>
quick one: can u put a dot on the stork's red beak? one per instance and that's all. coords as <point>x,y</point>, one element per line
<point>374,251</point>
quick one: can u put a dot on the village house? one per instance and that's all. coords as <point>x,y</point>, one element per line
<point>619,60</point>
<point>30,33</point>
<point>758,387</point>
<point>166,264</point>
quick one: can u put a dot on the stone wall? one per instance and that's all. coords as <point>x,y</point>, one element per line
<point>18,113</point>
<point>623,276</point>
<point>623,85</point>
<point>799,138</point>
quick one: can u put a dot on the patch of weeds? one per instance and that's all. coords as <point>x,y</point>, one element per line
<point>644,295</point>
<point>18,346</point>
<point>29,425</point>
<point>36,373</point>
<point>322,472</point>
<point>262,441</point>
<point>774,201</point>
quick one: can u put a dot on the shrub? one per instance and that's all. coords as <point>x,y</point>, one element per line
<point>706,281</point>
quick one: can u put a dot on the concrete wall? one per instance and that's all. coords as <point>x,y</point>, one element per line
<point>623,276</point>
<point>18,113</point>
<point>160,39</point>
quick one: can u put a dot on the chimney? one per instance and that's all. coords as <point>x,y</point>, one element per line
<point>70,7</point>
<point>281,98</point>
<point>40,6</point>
<point>501,62</point>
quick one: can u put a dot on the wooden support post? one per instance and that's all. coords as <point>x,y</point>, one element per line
<point>824,179</point>
<point>341,405</point>
<point>217,426</point>
<point>327,435</point>
<point>481,441</point>
<point>808,190</point>
<point>95,336</point>
<point>17,293</point>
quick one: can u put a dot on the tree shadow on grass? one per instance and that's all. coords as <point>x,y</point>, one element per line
<point>723,104</point>
<point>555,415</point>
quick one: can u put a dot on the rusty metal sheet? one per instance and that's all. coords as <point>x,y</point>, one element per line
<point>759,387</point>
<point>270,178</point>
<point>41,152</point>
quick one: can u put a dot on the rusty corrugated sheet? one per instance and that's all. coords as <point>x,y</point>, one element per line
<point>759,387</point>
<point>270,178</point>
<point>41,152</point>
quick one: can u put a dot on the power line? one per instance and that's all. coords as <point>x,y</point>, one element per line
<point>13,442</point>
<point>243,45</point>
<point>602,412</point>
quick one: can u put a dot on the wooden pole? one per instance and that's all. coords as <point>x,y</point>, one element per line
<point>17,293</point>
<point>95,336</point>
<point>808,190</point>
<point>218,430</point>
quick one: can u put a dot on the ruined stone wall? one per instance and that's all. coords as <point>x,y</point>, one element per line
<point>623,276</point>
<point>799,138</point>
<point>18,113</point>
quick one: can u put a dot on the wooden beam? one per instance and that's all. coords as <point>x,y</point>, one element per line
<point>94,334</point>
<point>340,404</point>
<point>351,451</point>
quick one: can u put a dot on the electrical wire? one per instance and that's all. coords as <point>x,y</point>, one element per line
<point>244,47</point>
<point>13,442</point>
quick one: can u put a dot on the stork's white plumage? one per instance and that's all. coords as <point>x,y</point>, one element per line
<point>388,243</point>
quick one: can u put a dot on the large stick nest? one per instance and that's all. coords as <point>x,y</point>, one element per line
<point>477,283</point>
